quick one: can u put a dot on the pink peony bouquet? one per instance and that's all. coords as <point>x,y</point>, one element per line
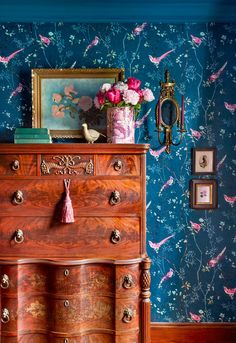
<point>122,94</point>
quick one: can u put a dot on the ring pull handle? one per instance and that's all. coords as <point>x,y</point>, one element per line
<point>15,165</point>
<point>5,318</point>
<point>19,236</point>
<point>115,236</point>
<point>118,165</point>
<point>66,303</point>
<point>128,281</point>
<point>4,281</point>
<point>115,198</point>
<point>18,197</point>
<point>66,340</point>
<point>127,315</point>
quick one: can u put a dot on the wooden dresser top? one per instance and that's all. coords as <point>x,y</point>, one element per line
<point>74,148</point>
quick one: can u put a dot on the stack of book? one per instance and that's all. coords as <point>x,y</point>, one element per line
<point>32,135</point>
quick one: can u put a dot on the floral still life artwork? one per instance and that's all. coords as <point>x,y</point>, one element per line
<point>62,99</point>
<point>70,102</point>
<point>123,101</point>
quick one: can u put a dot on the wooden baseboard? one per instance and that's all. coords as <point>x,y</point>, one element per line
<point>193,332</point>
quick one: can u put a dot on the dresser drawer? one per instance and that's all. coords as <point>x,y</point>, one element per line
<point>96,278</point>
<point>45,197</point>
<point>118,165</point>
<point>85,338</point>
<point>23,278</point>
<point>83,313</point>
<point>67,165</point>
<point>17,165</point>
<point>106,237</point>
<point>24,312</point>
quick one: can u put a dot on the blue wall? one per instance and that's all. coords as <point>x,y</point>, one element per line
<point>194,286</point>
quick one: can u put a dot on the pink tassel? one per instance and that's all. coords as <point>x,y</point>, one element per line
<point>67,209</point>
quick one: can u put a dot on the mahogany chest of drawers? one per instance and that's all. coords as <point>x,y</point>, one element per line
<point>82,282</point>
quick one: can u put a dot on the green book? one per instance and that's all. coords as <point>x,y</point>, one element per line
<point>33,130</point>
<point>32,141</point>
<point>31,136</point>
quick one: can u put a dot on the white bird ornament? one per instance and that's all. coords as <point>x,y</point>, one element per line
<point>90,135</point>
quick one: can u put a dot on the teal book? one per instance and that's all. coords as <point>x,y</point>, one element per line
<point>31,136</point>
<point>29,130</point>
<point>32,141</point>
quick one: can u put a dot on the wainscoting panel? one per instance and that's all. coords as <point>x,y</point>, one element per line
<point>193,333</point>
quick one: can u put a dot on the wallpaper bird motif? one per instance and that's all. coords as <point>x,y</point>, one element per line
<point>193,251</point>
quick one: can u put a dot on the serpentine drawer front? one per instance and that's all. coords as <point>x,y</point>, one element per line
<point>80,282</point>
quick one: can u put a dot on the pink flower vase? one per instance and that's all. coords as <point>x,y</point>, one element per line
<point>120,125</point>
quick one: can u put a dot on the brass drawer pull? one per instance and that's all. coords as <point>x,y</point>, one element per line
<point>5,316</point>
<point>115,236</point>
<point>18,197</point>
<point>4,281</point>
<point>15,165</point>
<point>66,303</point>
<point>118,165</point>
<point>127,315</point>
<point>115,198</point>
<point>19,236</point>
<point>66,340</point>
<point>128,281</point>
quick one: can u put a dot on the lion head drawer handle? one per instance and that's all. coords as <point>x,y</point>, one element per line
<point>18,197</point>
<point>118,165</point>
<point>127,315</point>
<point>115,236</point>
<point>128,281</point>
<point>115,198</point>
<point>15,165</point>
<point>4,281</point>
<point>5,316</point>
<point>19,236</point>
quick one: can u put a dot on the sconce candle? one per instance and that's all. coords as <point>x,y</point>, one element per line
<point>182,114</point>
<point>159,114</point>
<point>168,115</point>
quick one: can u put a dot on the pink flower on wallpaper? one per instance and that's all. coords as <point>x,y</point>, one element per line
<point>85,103</point>
<point>56,97</point>
<point>69,90</point>
<point>131,97</point>
<point>58,111</point>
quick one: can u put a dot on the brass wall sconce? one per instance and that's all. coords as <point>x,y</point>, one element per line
<point>168,114</point>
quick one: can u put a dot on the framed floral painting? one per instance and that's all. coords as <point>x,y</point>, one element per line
<point>62,99</point>
<point>203,194</point>
<point>204,160</point>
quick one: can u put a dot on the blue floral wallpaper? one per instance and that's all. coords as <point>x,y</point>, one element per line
<point>193,251</point>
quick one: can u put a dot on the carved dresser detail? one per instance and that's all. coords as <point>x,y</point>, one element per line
<point>83,282</point>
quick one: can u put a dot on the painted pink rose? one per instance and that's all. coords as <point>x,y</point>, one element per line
<point>56,97</point>
<point>133,83</point>
<point>131,97</point>
<point>148,95</point>
<point>85,103</point>
<point>58,111</point>
<point>113,95</point>
<point>68,90</point>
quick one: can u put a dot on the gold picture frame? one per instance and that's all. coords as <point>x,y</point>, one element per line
<point>203,194</point>
<point>62,99</point>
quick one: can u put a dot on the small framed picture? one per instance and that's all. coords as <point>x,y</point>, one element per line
<point>203,160</point>
<point>203,194</point>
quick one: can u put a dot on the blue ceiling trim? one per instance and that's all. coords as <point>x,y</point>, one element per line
<point>166,11</point>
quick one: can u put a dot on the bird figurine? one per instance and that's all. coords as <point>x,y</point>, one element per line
<point>90,135</point>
